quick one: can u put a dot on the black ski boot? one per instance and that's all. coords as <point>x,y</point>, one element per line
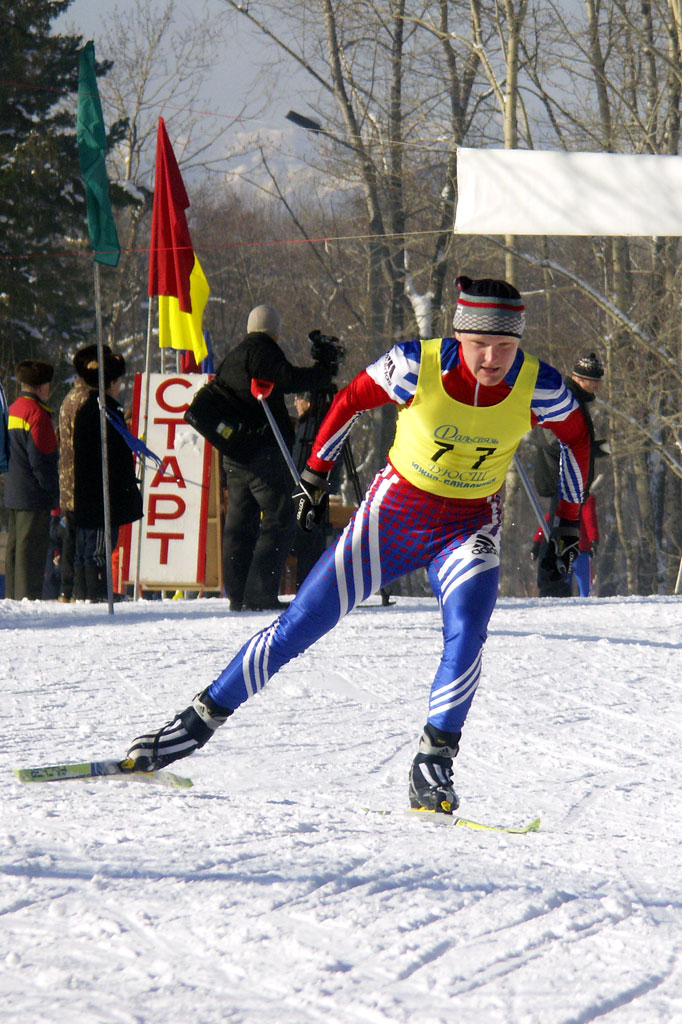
<point>431,771</point>
<point>187,732</point>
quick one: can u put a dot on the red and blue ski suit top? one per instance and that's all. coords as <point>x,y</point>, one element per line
<point>32,480</point>
<point>400,527</point>
<point>393,378</point>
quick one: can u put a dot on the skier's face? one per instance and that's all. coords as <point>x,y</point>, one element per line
<point>488,356</point>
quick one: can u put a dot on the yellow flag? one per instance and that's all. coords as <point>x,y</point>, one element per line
<point>183,330</point>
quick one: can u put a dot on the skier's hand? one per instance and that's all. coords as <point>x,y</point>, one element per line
<point>311,499</point>
<point>535,549</point>
<point>562,549</point>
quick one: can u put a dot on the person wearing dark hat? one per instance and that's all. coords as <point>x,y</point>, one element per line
<point>31,482</point>
<point>72,585</point>
<point>259,520</point>
<point>551,465</point>
<point>4,431</point>
<point>464,403</point>
<point>125,500</point>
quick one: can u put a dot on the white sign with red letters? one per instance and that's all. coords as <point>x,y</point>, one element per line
<point>173,530</point>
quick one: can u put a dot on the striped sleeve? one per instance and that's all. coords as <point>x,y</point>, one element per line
<point>391,378</point>
<point>362,393</point>
<point>552,402</point>
<point>397,371</point>
<point>555,408</point>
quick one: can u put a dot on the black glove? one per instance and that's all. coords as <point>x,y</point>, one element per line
<point>562,549</point>
<point>601,448</point>
<point>535,549</point>
<point>593,549</point>
<point>311,499</point>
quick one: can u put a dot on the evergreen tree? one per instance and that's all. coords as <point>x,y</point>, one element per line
<point>46,305</point>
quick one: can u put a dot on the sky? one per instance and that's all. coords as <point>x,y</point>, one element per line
<point>233,76</point>
<point>236,79</point>
<point>274,890</point>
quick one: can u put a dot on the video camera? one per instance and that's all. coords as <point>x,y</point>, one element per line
<point>327,351</point>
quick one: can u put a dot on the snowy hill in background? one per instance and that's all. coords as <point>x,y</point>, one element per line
<point>265,893</point>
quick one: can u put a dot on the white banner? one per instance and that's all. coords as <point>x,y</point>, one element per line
<point>533,192</point>
<point>173,548</point>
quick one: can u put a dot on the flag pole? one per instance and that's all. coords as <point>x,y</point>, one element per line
<point>104,445</point>
<point>144,419</point>
<point>92,144</point>
<point>678,581</point>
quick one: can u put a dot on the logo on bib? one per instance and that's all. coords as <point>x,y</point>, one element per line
<point>448,432</point>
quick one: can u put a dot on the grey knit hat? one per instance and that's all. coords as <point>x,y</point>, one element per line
<point>265,320</point>
<point>488,306</point>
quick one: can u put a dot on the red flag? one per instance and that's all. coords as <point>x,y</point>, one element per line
<point>174,270</point>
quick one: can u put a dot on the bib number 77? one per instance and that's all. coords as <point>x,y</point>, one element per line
<point>444,446</point>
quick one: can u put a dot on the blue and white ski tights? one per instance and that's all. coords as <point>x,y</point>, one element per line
<point>396,530</point>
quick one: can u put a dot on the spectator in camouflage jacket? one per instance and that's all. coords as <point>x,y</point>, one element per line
<point>72,581</point>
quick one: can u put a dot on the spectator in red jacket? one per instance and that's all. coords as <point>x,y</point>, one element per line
<point>31,482</point>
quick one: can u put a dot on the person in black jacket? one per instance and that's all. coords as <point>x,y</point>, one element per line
<point>259,521</point>
<point>584,384</point>
<point>125,499</point>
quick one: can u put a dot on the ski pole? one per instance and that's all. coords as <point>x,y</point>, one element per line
<point>532,496</point>
<point>261,389</point>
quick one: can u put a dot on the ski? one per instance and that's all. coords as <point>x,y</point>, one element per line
<point>451,819</point>
<point>100,770</point>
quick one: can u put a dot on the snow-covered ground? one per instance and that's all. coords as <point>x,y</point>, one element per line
<point>267,894</point>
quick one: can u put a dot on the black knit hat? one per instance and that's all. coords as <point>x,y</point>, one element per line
<point>589,367</point>
<point>84,355</point>
<point>114,367</point>
<point>488,306</point>
<point>33,372</point>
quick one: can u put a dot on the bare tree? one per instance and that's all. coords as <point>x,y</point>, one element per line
<point>162,55</point>
<point>395,87</point>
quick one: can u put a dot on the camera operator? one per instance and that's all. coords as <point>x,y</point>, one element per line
<point>259,522</point>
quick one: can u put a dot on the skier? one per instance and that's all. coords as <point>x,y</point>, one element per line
<point>583,383</point>
<point>465,403</point>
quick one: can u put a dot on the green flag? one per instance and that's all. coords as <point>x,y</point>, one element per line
<point>91,146</point>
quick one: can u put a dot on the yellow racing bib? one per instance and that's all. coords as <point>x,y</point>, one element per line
<point>456,450</point>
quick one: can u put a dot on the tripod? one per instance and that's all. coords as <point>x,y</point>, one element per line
<point>319,406</point>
